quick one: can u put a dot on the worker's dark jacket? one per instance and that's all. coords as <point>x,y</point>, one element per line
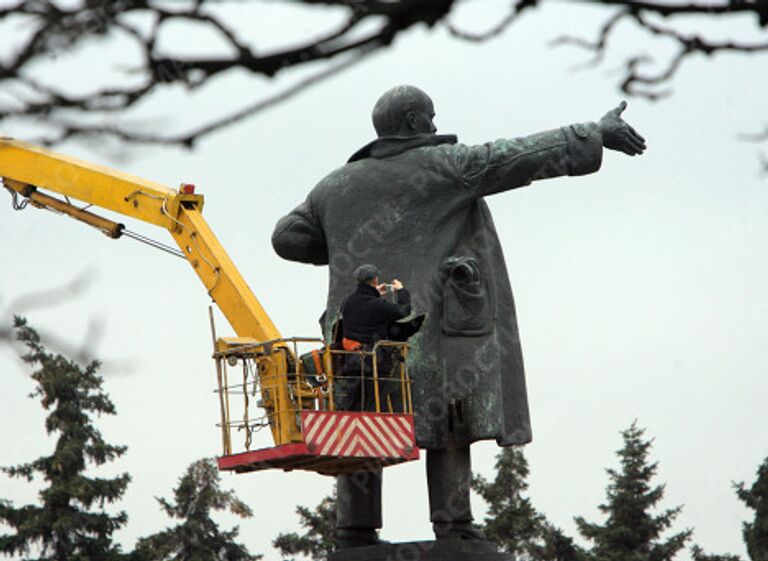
<point>415,207</point>
<point>368,317</point>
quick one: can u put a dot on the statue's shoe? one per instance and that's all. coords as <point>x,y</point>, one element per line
<point>458,531</point>
<point>347,538</point>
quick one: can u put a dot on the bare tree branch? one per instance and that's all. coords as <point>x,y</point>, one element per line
<point>759,137</point>
<point>756,137</point>
<point>518,7</point>
<point>599,45</point>
<point>634,81</point>
<point>83,352</point>
<point>366,26</point>
<point>654,85</point>
<point>51,297</point>
<point>688,45</point>
<point>57,28</point>
<point>666,8</point>
<point>188,139</point>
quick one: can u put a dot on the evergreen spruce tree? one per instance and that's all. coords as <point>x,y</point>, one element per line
<point>756,498</point>
<point>70,523</point>
<point>554,545</point>
<point>698,554</point>
<point>512,521</point>
<point>317,541</point>
<point>631,532</point>
<point>197,537</point>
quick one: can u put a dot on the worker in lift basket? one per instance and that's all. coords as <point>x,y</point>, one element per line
<point>367,318</point>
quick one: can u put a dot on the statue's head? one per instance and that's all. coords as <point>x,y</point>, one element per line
<point>404,111</point>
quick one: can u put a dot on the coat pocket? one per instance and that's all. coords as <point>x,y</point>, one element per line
<point>467,300</point>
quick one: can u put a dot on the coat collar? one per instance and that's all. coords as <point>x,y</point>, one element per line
<point>387,146</point>
<point>363,288</point>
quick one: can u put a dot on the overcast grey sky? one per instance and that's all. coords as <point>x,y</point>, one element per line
<point>640,290</point>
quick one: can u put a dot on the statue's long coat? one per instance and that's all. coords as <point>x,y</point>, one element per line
<point>413,206</point>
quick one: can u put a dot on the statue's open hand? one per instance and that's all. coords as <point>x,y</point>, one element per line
<point>618,135</point>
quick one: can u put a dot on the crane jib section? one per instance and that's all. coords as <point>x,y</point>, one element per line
<point>25,167</point>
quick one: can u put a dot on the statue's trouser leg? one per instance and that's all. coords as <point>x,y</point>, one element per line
<point>449,474</point>
<point>358,508</point>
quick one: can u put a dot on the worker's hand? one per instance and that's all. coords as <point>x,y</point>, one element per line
<point>618,135</point>
<point>397,285</point>
<point>382,288</point>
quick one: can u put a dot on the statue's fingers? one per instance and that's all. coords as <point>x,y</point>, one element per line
<point>631,151</point>
<point>636,134</point>
<point>636,140</point>
<point>639,148</point>
<point>631,148</point>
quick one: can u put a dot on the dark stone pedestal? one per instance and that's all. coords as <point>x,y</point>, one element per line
<point>443,550</point>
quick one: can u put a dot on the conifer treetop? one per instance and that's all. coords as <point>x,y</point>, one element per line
<point>64,526</point>
<point>631,531</point>
<point>756,498</point>
<point>197,537</point>
<point>317,540</point>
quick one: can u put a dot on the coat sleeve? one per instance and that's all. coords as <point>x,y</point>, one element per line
<point>510,163</point>
<point>299,236</point>
<point>394,311</point>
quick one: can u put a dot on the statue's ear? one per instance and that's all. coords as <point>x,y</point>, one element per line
<point>410,120</point>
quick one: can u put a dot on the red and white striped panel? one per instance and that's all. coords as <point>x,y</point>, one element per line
<point>359,435</point>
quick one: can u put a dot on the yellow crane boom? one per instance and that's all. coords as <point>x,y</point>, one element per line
<point>29,170</point>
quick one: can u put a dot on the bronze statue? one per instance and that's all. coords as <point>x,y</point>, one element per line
<point>412,202</point>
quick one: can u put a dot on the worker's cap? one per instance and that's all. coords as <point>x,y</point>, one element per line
<point>366,273</point>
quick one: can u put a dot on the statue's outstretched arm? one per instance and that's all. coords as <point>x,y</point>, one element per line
<point>509,163</point>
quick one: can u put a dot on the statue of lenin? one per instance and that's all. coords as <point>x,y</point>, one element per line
<point>412,203</point>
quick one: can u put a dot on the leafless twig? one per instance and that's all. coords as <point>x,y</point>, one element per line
<point>756,137</point>
<point>69,129</point>
<point>367,26</point>
<point>518,7</point>
<point>83,352</point>
<point>645,15</point>
<point>645,85</point>
<point>56,28</point>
